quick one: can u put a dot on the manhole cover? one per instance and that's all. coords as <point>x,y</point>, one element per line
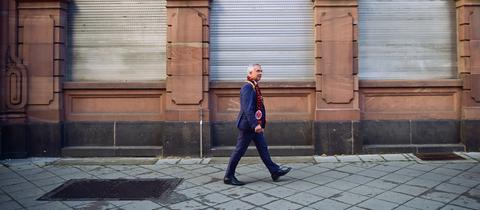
<point>112,189</point>
<point>439,156</point>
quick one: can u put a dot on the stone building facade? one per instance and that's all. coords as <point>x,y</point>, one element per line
<point>53,104</point>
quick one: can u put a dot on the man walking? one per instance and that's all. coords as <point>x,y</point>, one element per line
<point>251,124</point>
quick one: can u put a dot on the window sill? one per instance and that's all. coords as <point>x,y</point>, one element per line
<point>411,83</point>
<point>94,85</point>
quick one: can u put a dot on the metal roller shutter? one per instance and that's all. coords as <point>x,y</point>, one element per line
<point>117,40</point>
<point>407,39</point>
<point>275,33</point>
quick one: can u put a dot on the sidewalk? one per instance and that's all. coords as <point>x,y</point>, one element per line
<point>399,181</point>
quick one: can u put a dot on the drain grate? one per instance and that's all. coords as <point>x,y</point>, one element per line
<point>112,189</point>
<point>438,156</point>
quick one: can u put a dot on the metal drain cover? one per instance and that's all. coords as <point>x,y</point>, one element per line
<point>112,189</point>
<point>438,156</point>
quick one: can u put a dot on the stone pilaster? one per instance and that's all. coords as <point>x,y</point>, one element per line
<point>468,45</point>
<point>41,32</point>
<point>187,75</point>
<point>337,107</point>
<point>336,60</point>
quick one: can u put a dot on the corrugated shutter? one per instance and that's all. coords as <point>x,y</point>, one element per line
<point>275,33</point>
<point>407,39</point>
<point>117,40</point>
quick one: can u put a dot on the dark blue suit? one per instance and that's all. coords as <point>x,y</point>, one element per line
<point>246,123</point>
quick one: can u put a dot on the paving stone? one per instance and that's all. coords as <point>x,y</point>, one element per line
<point>349,198</point>
<point>423,183</point>
<point>446,171</point>
<point>396,178</point>
<point>394,157</point>
<point>386,168</point>
<point>323,191</point>
<point>260,186</point>
<point>27,193</point>
<point>281,204</point>
<point>382,184</point>
<point>351,169</point>
<point>474,155</point>
<point>97,205</point>
<point>329,204</point>
<point>409,172</point>
<point>422,167</point>
<point>335,174</point>
<point>453,207</point>
<point>434,176</point>
<point>18,187</point>
<point>190,204</point>
<point>341,185</point>
<point>460,166</point>
<point>259,199</point>
<point>207,170</point>
<point>11,181</point>
<point>236,204</point>
<point>31,201</point>
<point>190,161</point>
<point>201,180</point>
<point>446,187</point>
<point>348,158</point>
<point>280,192</point>
<point>439,196</point>
<point>464,201</point>
<point>300,185</point>
<point>10,205</point>
<point>314,169</point>
<point>238,192</point>
<point>320,179</point>
<point>421,203</point>
<point>371,158</point>
<point>377,204</point>
<point>373,173</point>
<point>48,181</point>
<point>326,159</point>
<point>299,174</point>
<point>74,204</point>
<point>195,191</point>
<point>410,190</point>
<point>217,186</point>
<point>4,197</point>
<point>461,181</point>
<point>394,197</point>
<point>302,198</point>
<point>167,161</point>
<point>213,199</point>
<point>366,190</point>
<point>405,208</point>
<point>357,179</point>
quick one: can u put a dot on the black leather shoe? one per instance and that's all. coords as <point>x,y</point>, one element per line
<point>280,173</point>
<point>232,181</point>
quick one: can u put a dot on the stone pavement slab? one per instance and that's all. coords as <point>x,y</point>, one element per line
<point>397,181</point>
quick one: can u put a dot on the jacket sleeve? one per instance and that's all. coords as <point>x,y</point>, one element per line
<point>248,104</point>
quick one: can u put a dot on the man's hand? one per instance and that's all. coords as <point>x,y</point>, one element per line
<point>258,129</point>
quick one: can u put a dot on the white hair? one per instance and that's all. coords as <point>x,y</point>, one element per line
<point>251,66</point>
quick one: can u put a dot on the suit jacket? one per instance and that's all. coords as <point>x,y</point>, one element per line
<point>248,106</point>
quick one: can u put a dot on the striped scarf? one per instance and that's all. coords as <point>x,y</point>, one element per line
<point>259,99</point>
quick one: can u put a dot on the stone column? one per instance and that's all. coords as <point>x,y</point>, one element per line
<point>468,44</point>
<point>337,107</point>
<point>187,76</point>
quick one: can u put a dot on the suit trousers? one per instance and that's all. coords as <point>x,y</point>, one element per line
<point>243,140</point>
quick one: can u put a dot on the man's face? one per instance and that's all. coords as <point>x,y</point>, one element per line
<point>256,73</point>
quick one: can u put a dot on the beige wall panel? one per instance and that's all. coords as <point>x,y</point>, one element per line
<point>410,103</point>
<point>105,105</point>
